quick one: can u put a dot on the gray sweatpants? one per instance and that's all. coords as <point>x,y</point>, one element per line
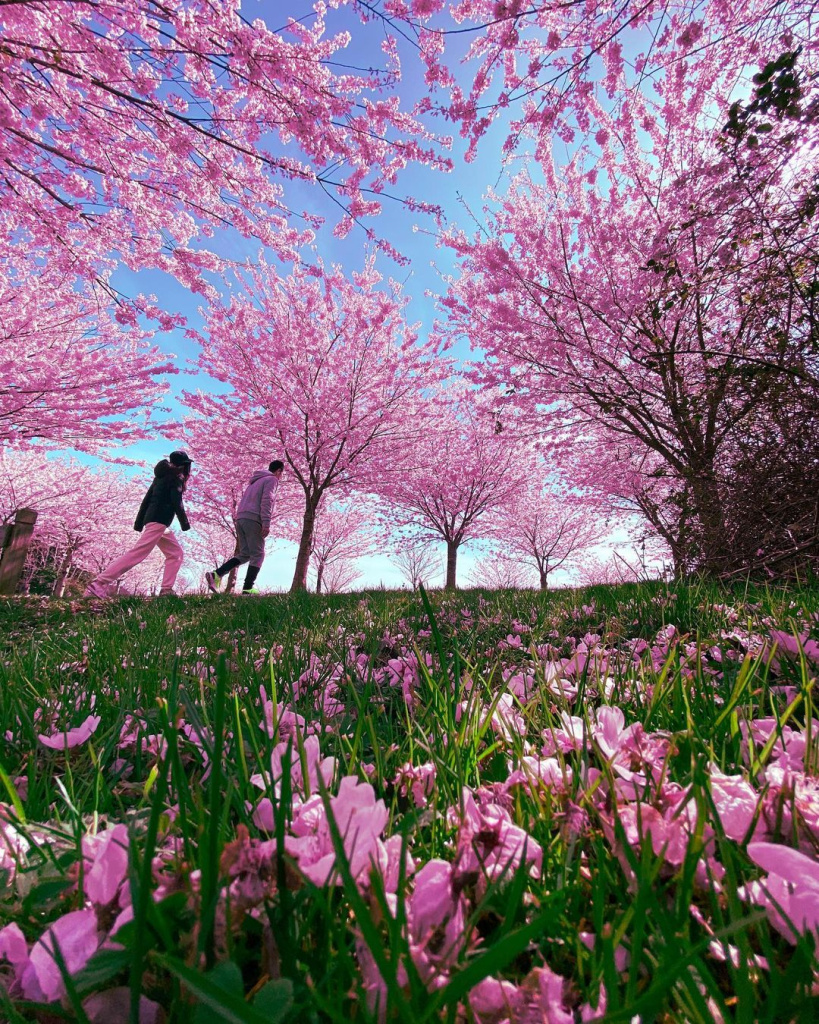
<point>250,542</point>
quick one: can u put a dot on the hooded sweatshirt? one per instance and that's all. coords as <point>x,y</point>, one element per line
<point>163,499</point>
<point>257,501</point>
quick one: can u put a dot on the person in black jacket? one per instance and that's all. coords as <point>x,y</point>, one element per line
<point>161,504</point>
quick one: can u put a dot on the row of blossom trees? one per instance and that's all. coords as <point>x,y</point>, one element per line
<point>85,516</point>
<point>324,373</point>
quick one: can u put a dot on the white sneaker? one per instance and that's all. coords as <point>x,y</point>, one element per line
<point>97,590</point>
<point>250,593</point>
<point>214,582</point>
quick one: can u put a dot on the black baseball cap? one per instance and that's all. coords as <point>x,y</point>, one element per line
<point>179,459</point>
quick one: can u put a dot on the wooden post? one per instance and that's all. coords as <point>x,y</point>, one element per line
<point>15,547</point>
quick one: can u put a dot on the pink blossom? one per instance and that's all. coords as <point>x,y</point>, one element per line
<point>493,1001</point>
<point>129,733</point>
<point>535,771</point>
<point>790,645</point>
<point>622,957</point>
<point>375,987</point>
<point>669,838</point>
<point>541,997</point>
<point>789,746</point>
<point>573,735</point>
<point>106,857</point>
<point>282,718</point>
<point>505,718</point>
<point>360,820</point>
<point>13,846</point>
<point>609,731</point>
<point>248,864</point>
<point>521,684</point>
<point>77,937</point>
<point>73,737</point>
<point>791,805</point>
<point>793,883</point>
<point>736,802</point>
<point>263,816</point>
<point>437,921</point>
<point>403,672</point>
<point>490,844</point>
<point>550,999</point>
<point>417,781</point>
<point>14,948</point>
<point>307,756</point>
<point>389,864</point>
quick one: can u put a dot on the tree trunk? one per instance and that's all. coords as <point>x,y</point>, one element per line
<point>674,530</point>
<point>451,564</point>
<point>62,573</point>
<point>715,554</point>
<point>319,575</point>
<point>544,579</point>
<point>15,545</point>
<point>305,549</point>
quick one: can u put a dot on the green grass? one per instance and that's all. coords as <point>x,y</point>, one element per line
<point>297,956</point>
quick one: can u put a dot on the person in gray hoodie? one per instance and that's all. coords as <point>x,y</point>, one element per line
<point>252,527</point>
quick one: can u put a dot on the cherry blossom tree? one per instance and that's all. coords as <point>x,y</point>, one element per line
<point>135,128</point>
<point>619,566</point>
<point>544,70</point>
<point>665,304</point>
<point>418,561</point>
<point>497,571</point>
<point>343,534</point>
<point>322,370</point>
<point>775,463</point>
<point>594,571</point>
<point>466,465</point>
<point>29,479</point>
<point>70,375</point>
<point>546,528</point>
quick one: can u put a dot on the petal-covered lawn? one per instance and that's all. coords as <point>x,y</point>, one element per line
<point>519,807</point>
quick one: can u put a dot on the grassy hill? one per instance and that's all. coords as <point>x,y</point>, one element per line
<point>472,806</point>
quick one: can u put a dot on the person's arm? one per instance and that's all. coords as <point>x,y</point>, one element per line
<point>179,508</point>
<point>266,504</point>
<point>139,522</point>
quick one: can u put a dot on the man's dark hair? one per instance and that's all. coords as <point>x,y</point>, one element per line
<point>276,465</point>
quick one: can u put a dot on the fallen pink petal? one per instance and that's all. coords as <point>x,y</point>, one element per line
<point>71,737</point>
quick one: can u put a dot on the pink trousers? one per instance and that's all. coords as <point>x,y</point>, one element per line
<point>153,535</point>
